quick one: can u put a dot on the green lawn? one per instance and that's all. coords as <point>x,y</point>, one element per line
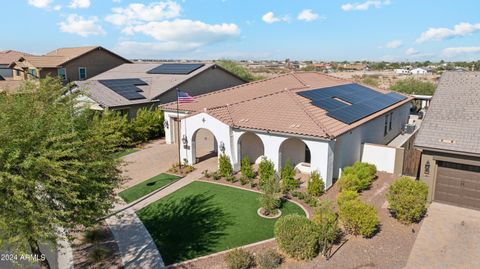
<point>141,189</point>
<point>125,152</point>
<point>203,218</point>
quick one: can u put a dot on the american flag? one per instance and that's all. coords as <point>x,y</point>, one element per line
<point>184,98</point>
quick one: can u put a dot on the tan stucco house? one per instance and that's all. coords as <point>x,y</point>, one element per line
<point>450,141</point>
<point>72,64</point>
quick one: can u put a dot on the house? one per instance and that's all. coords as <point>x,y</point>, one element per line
<point>129,87</point>
<point>401,71</point>
<point>77,63</point>
<point>315,121</point>
<point>418,71</point>
<point>6,58</point>
<point>450,141</point>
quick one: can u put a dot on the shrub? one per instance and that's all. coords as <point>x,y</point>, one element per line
<point>225,166</point>
<point>239,259</point>
<point>216,175</point>
<point>359,218</point>
<point>297,236</point>
<point>94,235</point>
<point>327,221</point>
<point>266,170</point>
<point>268,200</point>
<point>244,180</point>
<point>268,259</point>
<point>246,168</point>
<point>99,254</point>
<point>289,183</point>
<point>310,200</point>
<point>231,178</point>
<point>184,170</point>
<point>357,177</point>
<point>316,186</point>
<point>146,125</point>
<point>413,86</point>
<point>345,196</point>
<point>206,174</point>
<point>407,198</point>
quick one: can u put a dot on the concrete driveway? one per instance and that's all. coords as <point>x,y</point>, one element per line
<point>449,238</point>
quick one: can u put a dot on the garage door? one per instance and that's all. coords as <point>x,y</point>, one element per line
<point>458,184</point>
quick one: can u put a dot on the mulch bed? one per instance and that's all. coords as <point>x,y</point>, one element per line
<point>82,250</point>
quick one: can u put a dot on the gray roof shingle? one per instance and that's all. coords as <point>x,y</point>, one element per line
<point>452,122</point>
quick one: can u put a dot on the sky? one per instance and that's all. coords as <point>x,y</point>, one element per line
<point>390,30</point>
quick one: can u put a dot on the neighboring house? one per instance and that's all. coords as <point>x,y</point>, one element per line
<point>6,58</point>
<point>418,71</point>
<point>401,71</point>
<point>77,63</point>
<point>131,86</point>
<point>450,141</point>
<point>315,121</point>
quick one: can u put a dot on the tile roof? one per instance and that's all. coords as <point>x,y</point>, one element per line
<point>452,122</point>
<point>273,105</point>
<point>157,83</point>
<point>9,56</point>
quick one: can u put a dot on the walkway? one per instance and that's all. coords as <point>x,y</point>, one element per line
<point>135,243</point>
<point>449,238</point>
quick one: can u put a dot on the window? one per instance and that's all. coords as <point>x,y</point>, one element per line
<point>62,73</point>
<point>82,73</point>
<point>17,72</point>
<point>385,131</point>
<point>33,72</point>
<point>390,123</point>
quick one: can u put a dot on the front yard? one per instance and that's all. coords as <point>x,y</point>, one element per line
<point>143,188</point>
<point>203,218</point>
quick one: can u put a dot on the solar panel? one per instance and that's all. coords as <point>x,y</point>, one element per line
<point>359,101</point>
<point>175,69</point>
<point>126,87</point>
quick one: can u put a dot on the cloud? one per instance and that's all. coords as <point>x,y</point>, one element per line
<point>150,49</point>
<point>116,1</point>
<point>461,29</point>
<point>137,13</point>
<point>39,3</point>
<point>270,18</point>
<point>186,34</point>
<point>411,52</point>
<point>394,44</point>
<point>57,7</point>
<point>451,52</point>
<point>76,24</point>
<point>365,5</point>
<point>307,15</point>
<point>79,4</point>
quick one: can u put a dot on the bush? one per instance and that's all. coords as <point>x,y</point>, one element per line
<point>231,178</point>
<point>244,180</point>
<point>239,259</point>
<point>146,125</point>
<point>316,186</point>
<point>268,259</point>
<point>266,171</point>
<point>310,200</point>
<point>99,254</point>
<point>297,236</point>
<point>359,218</point>
<point>289,183</point>
<point>206,174</point>
<point>225,166</point>
<point>246,168</point>
<point>327,221</point>
<point>94,235</point>
<point>268,200</point>
<point>300,195</point>
<point>216,175</point>
<point>345,196</point>
<point>413,86</point>
<point>407,198</point>
<point>357,177</point>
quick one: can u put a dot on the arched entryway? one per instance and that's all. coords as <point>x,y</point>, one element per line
<point>294,150</point>
<point>204,145</point>
<point>250,145</point>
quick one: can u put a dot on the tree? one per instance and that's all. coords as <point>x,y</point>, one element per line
<point>315,184</point>
<point>238,70</point>
<point>56,170</point>
<point>413,86</point>
<point>289,183</point>
<point>327,221</point>
<point>146,125</point>
<point>266,170</point>
<point>246,168</point>
<point>269,201</point>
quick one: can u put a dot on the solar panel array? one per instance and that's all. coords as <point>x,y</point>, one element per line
<point>351,102</point>
<point>126,87</point>
<point>175,69</point>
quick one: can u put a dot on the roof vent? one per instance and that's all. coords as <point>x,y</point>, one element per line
<point>447,141</point>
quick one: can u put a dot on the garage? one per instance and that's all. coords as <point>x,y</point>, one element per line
<point>458,184</point>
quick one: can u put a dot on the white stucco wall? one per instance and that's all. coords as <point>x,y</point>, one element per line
<point>169,132</point>
<point>348,147</point>
<point>383,157</point>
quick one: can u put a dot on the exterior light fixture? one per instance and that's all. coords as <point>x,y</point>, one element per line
<point>184,140</point>
<point>222,147</point>
<point>165,124</point>
<point>427,168</point>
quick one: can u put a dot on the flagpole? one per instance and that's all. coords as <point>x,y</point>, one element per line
<point>178,133</point>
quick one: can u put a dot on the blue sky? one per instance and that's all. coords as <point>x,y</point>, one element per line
<point>390,30</point>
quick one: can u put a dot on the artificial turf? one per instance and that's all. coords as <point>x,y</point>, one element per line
<point>125,152</point>
<point>143,188</point>
<point>203,218</point>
